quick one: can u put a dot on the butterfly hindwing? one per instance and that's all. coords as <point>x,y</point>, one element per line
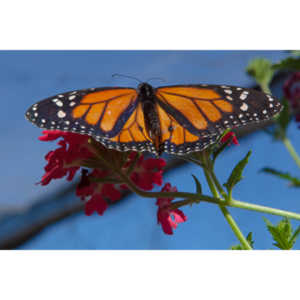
<point>178,140</point>
<point>133,135</point>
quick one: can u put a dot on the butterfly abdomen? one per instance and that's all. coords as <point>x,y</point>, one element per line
<point>148,101</point>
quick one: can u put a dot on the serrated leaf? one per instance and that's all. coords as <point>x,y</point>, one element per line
<point>198,185</point>
<point>240,247</point>
<point>236,174</point>
<point>261,70</point>
<point>282,233</point>
<point>249,239</point>
<point>295,235</point>
<point>294,181</point>
<point>288,64</point>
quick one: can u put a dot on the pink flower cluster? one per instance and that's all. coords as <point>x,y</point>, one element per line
<point>291,90</point>
<point>93,187</point>
<point>100,186</point>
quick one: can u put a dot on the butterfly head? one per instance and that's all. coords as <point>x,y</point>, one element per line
<point>145,89</point>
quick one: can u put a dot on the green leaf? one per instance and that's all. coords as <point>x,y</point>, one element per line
<point>288,64</point>
<point>295,52</point>
<point>198,185</point>
<point>284,117</point>
<point>236,174</point>
<point>237,247</point>
<point>294,181</point>
<point>295,235</point>
<point>241,247</point>
<point>249,239</point>
<point>283,234</point>
<point>261,70</point>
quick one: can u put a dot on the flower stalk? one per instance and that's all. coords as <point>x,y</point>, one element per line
<point>112,169</point>
<point>287,143</point>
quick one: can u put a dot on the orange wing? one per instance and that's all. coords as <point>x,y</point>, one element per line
<point>205,111</point>
<point>186,114</point>
<point>133,135</point>
<point>178,140</point>
<point>198,109</point>
<point>106,111</point>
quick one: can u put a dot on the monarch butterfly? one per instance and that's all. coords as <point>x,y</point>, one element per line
<point>175,119</point>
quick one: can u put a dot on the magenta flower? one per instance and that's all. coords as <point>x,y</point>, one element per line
<point>291,89</point>
<point>64,161</point>
<point>74,150</point>
<point>168,218</point>
<point>230,136</point>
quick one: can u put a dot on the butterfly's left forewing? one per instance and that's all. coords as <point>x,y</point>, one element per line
<point>99,112</point>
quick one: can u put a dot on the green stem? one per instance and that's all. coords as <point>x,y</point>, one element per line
<point>196,198</point>
<point>264,209</point>
<point>211,184</point>
<point>291,150</point>
<point>218,185</point>
<point>235,228</point>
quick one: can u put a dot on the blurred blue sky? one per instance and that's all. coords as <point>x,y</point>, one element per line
<point>29,76</point>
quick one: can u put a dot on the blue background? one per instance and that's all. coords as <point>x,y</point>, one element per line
<point>29,76</point>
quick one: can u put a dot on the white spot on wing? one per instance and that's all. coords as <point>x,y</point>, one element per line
<point>61,114</point>
<point>59,103</point>
<point>244,107</point>
<point>243,96</point>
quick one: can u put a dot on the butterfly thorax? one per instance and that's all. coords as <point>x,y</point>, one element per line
<point>148,100</point>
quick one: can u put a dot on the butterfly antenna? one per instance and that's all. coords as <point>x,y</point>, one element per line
<point>125,76</point>
<point>156,78</point>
